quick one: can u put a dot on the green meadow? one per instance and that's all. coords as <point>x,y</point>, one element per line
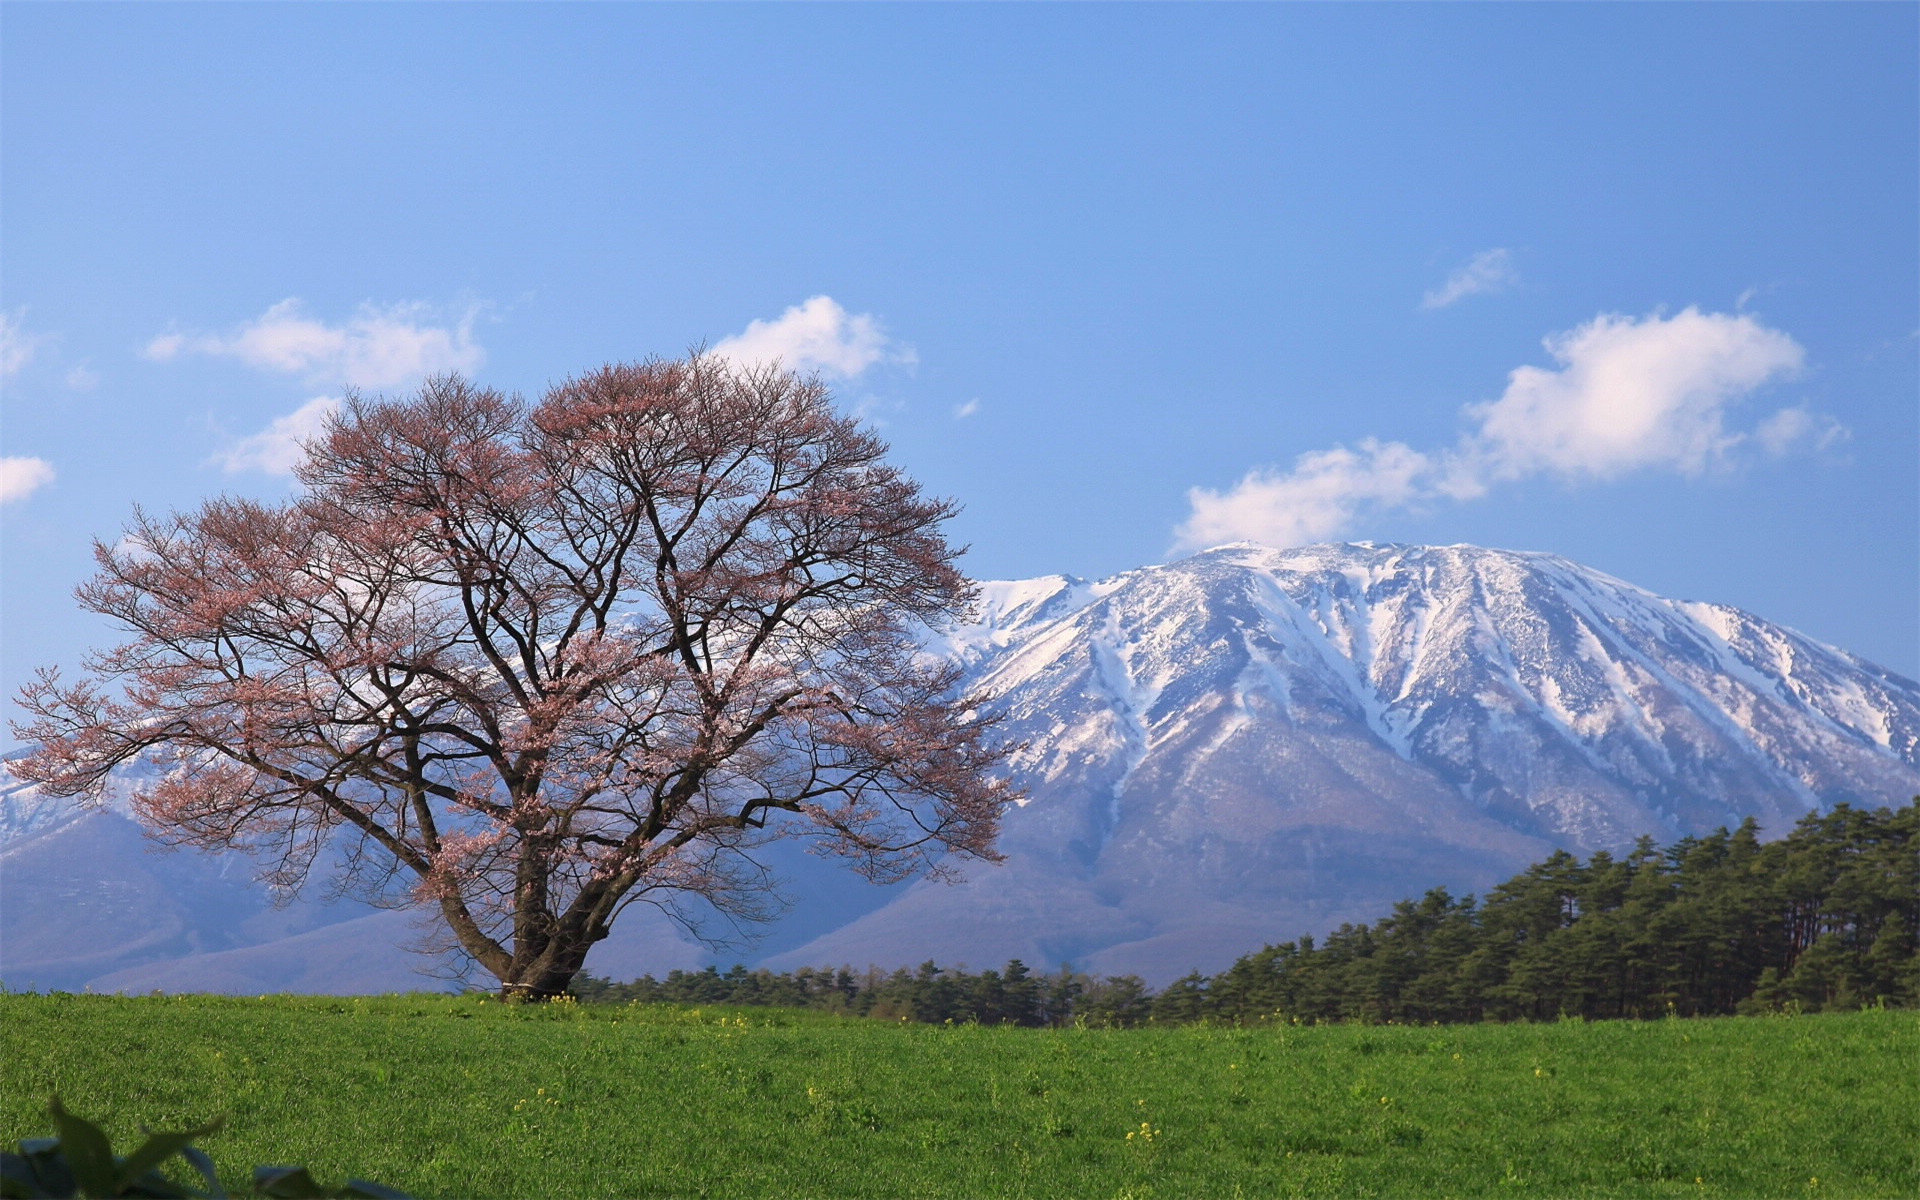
<point>461,1096</point>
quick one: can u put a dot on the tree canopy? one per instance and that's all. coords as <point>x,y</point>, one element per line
<point>528,663</point>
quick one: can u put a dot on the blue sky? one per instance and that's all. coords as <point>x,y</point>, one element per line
<point>1636,284</point>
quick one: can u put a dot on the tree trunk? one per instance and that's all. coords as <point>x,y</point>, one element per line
<point>549,986</point>
<point>541,983</point>
<point>546,976</point>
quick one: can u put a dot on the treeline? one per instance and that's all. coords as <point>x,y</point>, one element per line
<point>1821,919</point>
<point>1012,996</point>
<point>1824,918</point>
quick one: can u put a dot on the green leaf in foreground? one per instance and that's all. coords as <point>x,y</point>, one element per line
<point>81,1162</point>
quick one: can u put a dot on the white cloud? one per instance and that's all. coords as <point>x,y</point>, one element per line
<point>277,449</point>
<point>1485,273</point>
<point>375,348</point>
<point>82,379</point>
<point>1631,394</point>
<point>1628,394</point>
<point>166,347</point>
<point>21,477</point>
<point>962,411</point>
<point>1322,495</point>
<point>816,335</point>
<point>16,344</point>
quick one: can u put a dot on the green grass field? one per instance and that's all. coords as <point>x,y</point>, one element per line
<point>461,1097</point>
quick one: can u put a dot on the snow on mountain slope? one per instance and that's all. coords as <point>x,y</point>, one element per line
<point>24,812</point>
<point>1578,705</point>
<point>1233,749</point>
<point>1254,743</point>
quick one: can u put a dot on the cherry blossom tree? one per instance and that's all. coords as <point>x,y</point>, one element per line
<point>527,664</point>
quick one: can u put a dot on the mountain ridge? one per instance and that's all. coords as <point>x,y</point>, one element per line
<point>1333,728</point>
<point>1253,743</point>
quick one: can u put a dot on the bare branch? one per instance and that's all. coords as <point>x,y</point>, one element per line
<point>547,659</point>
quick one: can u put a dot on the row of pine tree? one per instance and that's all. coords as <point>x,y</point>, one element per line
<point>1824,918</point>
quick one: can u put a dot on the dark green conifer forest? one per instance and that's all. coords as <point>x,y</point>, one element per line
<point>1824,918</point>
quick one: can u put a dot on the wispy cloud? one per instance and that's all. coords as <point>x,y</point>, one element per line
<point>21,477</point>
<point>1485,273</point>
<point>1654,393</point>
<point>962,411</point>
<point>375,348</point>
<point>82,378</point>
<point>277,449</point>
<point>1792,429</point>
<point>17,346</point>
<point>816,335</point>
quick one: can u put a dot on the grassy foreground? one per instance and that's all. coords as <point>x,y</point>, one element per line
<point>447,1096</point>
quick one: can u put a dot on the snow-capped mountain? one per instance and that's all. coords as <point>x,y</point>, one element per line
<point>1253,743</point>
<point>1572,704</point>
<point>1233,749</point>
